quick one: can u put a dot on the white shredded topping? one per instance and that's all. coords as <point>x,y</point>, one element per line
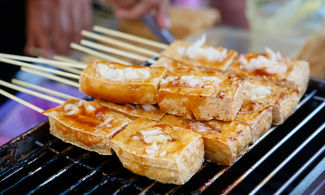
<point>71,109</point>
<point>90,108</point>
<point>167,80</point>
<point>272,64</point>
<point>254,91</point>
<point>154,135</point>
<point>194,81</point>
<point>152,149</point>
<point>195,51</point>
<point>163,153</point>
<point>122,74</point>
<point>148,107</point>
<point>199,127</point>
<point>191,81</point>
<point>136,137</point>
<point>152,131</point>
<point>80,103</point>
<point>106,123</point>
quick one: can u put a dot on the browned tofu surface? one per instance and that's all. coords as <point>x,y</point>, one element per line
<point>258,116</point>
<point>283,100</point>
<point>287,72</point>
<point>224,142</point>
<point>159,151</point>
<point>201,98</point>
<point>86,124</point>
<point>121,83</point>
<point>174,68</point>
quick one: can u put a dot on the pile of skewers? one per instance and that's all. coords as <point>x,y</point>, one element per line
<point>194,102</point>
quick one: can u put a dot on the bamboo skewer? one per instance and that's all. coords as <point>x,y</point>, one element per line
<point>129,37</point>
<point>68,60</point>
<point>66,68</point>
<point>28,91</point>
<point>52,77</point>
<point>23,64</point>
<point>29,105</point>
<point>41,60</point>
<point>119,43</point>
<point>96,53</point>
<point>42,89</point>
<point>115,51</point>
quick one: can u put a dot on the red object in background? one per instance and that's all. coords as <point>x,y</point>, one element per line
<point>233,12</point>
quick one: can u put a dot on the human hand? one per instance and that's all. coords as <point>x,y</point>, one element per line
<point>52,24</point>
<point>135,9</point>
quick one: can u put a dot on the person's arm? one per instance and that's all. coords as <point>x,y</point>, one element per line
<point>52,24</point>
<point>135,9</point>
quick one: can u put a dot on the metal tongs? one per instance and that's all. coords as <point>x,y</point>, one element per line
<point>162,34</point>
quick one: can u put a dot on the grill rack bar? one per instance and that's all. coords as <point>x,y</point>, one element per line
<point>30,159</point>
<point>95,170</point>
<point>79,182</point>
<point>283,140</point>
<point>280,166</point>
<point>51,178</point>
<point>309,162</point>
<point>31,173</point>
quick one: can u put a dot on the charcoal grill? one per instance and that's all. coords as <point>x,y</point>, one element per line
<point>288,159</point>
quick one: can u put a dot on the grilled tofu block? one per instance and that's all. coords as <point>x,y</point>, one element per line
<point>174,67</point>
<point>201,97</point>
<point>283,100</point>
<point>133,111</point>
<point>120,83</point>
<point>159,151</point>
<point>224,142</point>
<point>87,125</point>
<point>271,66</point>
<point>200,55</point>
<point>258,116</point>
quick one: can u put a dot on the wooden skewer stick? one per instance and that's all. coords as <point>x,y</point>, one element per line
<point>29,105</point>
<point>68,60</point>
<point>96,53</point>
<point>41,60</point>
<point>52,77</point>
<point>119,43</point>
<point>23,64</point>
<point>115,51</point>
<point>42,89</point>
<point>129,37</point>
<point>66,68</point>
<point>28,91</point>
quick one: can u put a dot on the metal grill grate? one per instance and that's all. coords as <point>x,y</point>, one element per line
<point>36,162</point>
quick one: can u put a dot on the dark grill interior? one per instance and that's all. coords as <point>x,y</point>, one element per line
<point>281,161</point>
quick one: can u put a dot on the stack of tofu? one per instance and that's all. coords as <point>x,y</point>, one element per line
<point>196,102</point>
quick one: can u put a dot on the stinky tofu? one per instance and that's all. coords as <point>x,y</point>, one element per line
<point>271,66</point>
<point>201,97</point>
<point>159,151</point>
<point>120,83</point>
<point>224,142</point>
<point>87,125</point>
<point>200,55</point>
<point>283,100</point>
